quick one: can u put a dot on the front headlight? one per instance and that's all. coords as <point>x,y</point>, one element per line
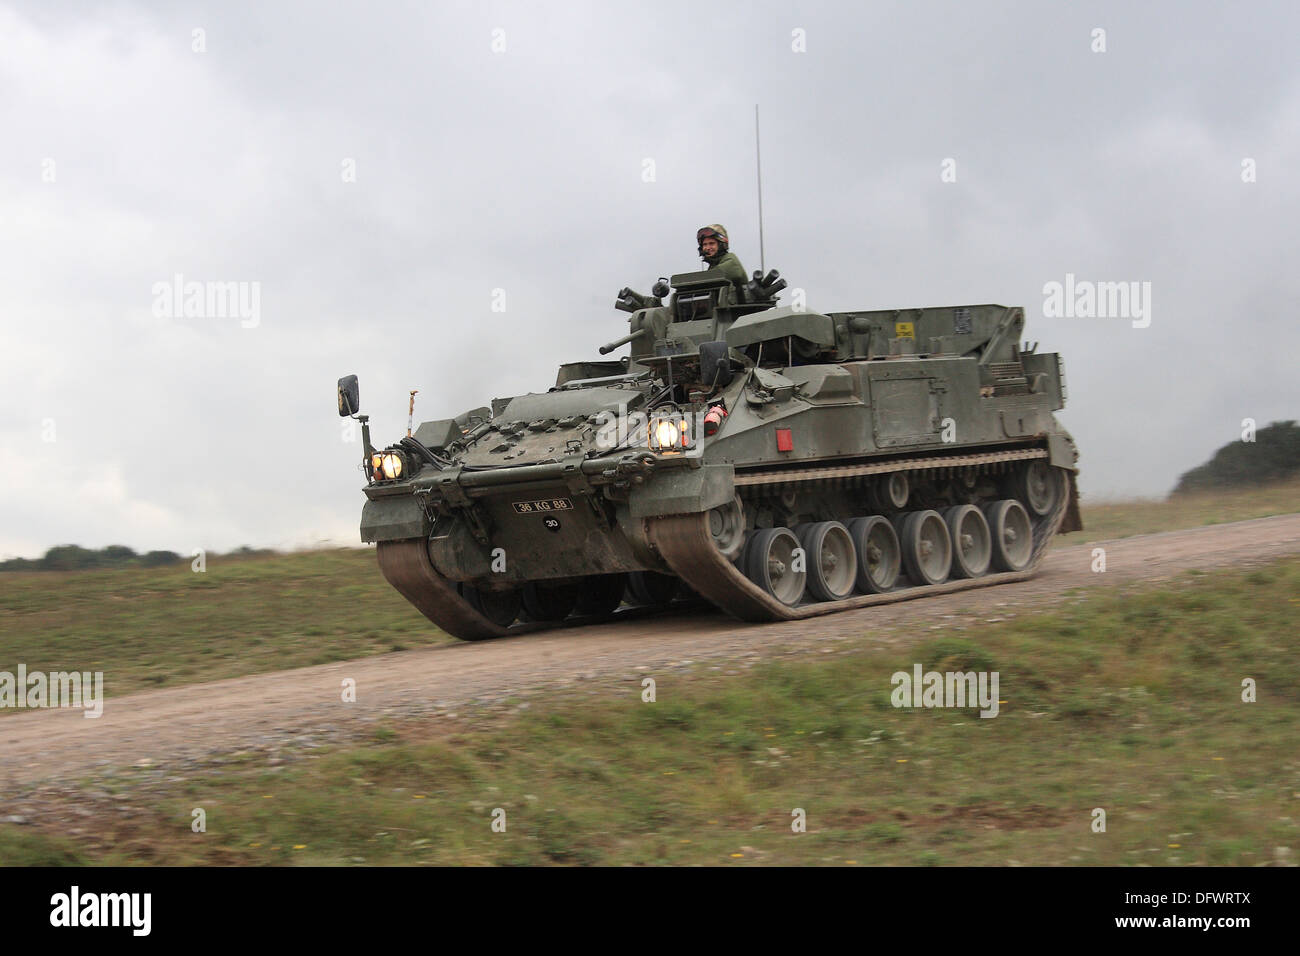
<point>669,433</point>
<point>386,465</point>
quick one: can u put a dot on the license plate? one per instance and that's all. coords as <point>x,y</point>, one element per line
<point>542,505</point>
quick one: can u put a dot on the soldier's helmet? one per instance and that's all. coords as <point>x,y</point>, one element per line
<point>717,231</point>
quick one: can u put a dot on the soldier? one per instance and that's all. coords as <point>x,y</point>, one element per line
<point>713,250</point>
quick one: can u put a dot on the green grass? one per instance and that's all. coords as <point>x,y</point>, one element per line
<point>1127,702</point>
<point>1103,520</point>
<point>160,627</point>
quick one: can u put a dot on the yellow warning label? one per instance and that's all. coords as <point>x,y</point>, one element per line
<point>903,330</point>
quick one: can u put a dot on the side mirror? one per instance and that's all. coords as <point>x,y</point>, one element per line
<point>349,396</point>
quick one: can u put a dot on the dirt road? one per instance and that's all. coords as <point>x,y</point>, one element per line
<point>181,725</point>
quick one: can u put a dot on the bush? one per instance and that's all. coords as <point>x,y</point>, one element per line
<point>118,555</point>
<point>155,558</point>
<point>70,557</point>
<point>1274,455</point>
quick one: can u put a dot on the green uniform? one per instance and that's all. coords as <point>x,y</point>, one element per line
<point>729,266</point>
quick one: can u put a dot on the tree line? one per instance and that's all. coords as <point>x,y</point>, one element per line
<point>1273,455</point>
<point>73,557</point>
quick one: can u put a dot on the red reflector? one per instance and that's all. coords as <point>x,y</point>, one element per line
<point>784,440</point>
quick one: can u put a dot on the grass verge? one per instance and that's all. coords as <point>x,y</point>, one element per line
<point>1131,703</point>
<point>1103,520</point>
<point>161,627</point>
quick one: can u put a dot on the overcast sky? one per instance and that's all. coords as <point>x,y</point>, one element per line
<point>380,169</point>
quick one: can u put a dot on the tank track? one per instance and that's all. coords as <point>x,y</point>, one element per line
<point>686,545</point>
<point>407,567</point>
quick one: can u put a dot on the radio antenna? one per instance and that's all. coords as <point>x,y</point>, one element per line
<point>758,158</point>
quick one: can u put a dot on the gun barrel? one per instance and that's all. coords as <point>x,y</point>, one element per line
<point>618,343</point>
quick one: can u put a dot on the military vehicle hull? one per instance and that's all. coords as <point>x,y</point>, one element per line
<point>852,459</point>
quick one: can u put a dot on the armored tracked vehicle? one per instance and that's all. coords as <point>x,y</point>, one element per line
<point>778,462</point>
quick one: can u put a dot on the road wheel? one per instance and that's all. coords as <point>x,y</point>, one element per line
<point>499,607</point>
<point>1039,486</point>
<point>651,589</point>
<point>879,556</point>
<point>549,602</point>
<point>727,528</point>
<point>972,544</point>
<point>601,594</point>
<point>927,549</point>
<point>770,563</point>
<point>892,492</point>
<point>830,559</point>
<point>1013,540</point>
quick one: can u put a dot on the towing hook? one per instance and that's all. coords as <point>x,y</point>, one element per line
<point>641,463</point>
